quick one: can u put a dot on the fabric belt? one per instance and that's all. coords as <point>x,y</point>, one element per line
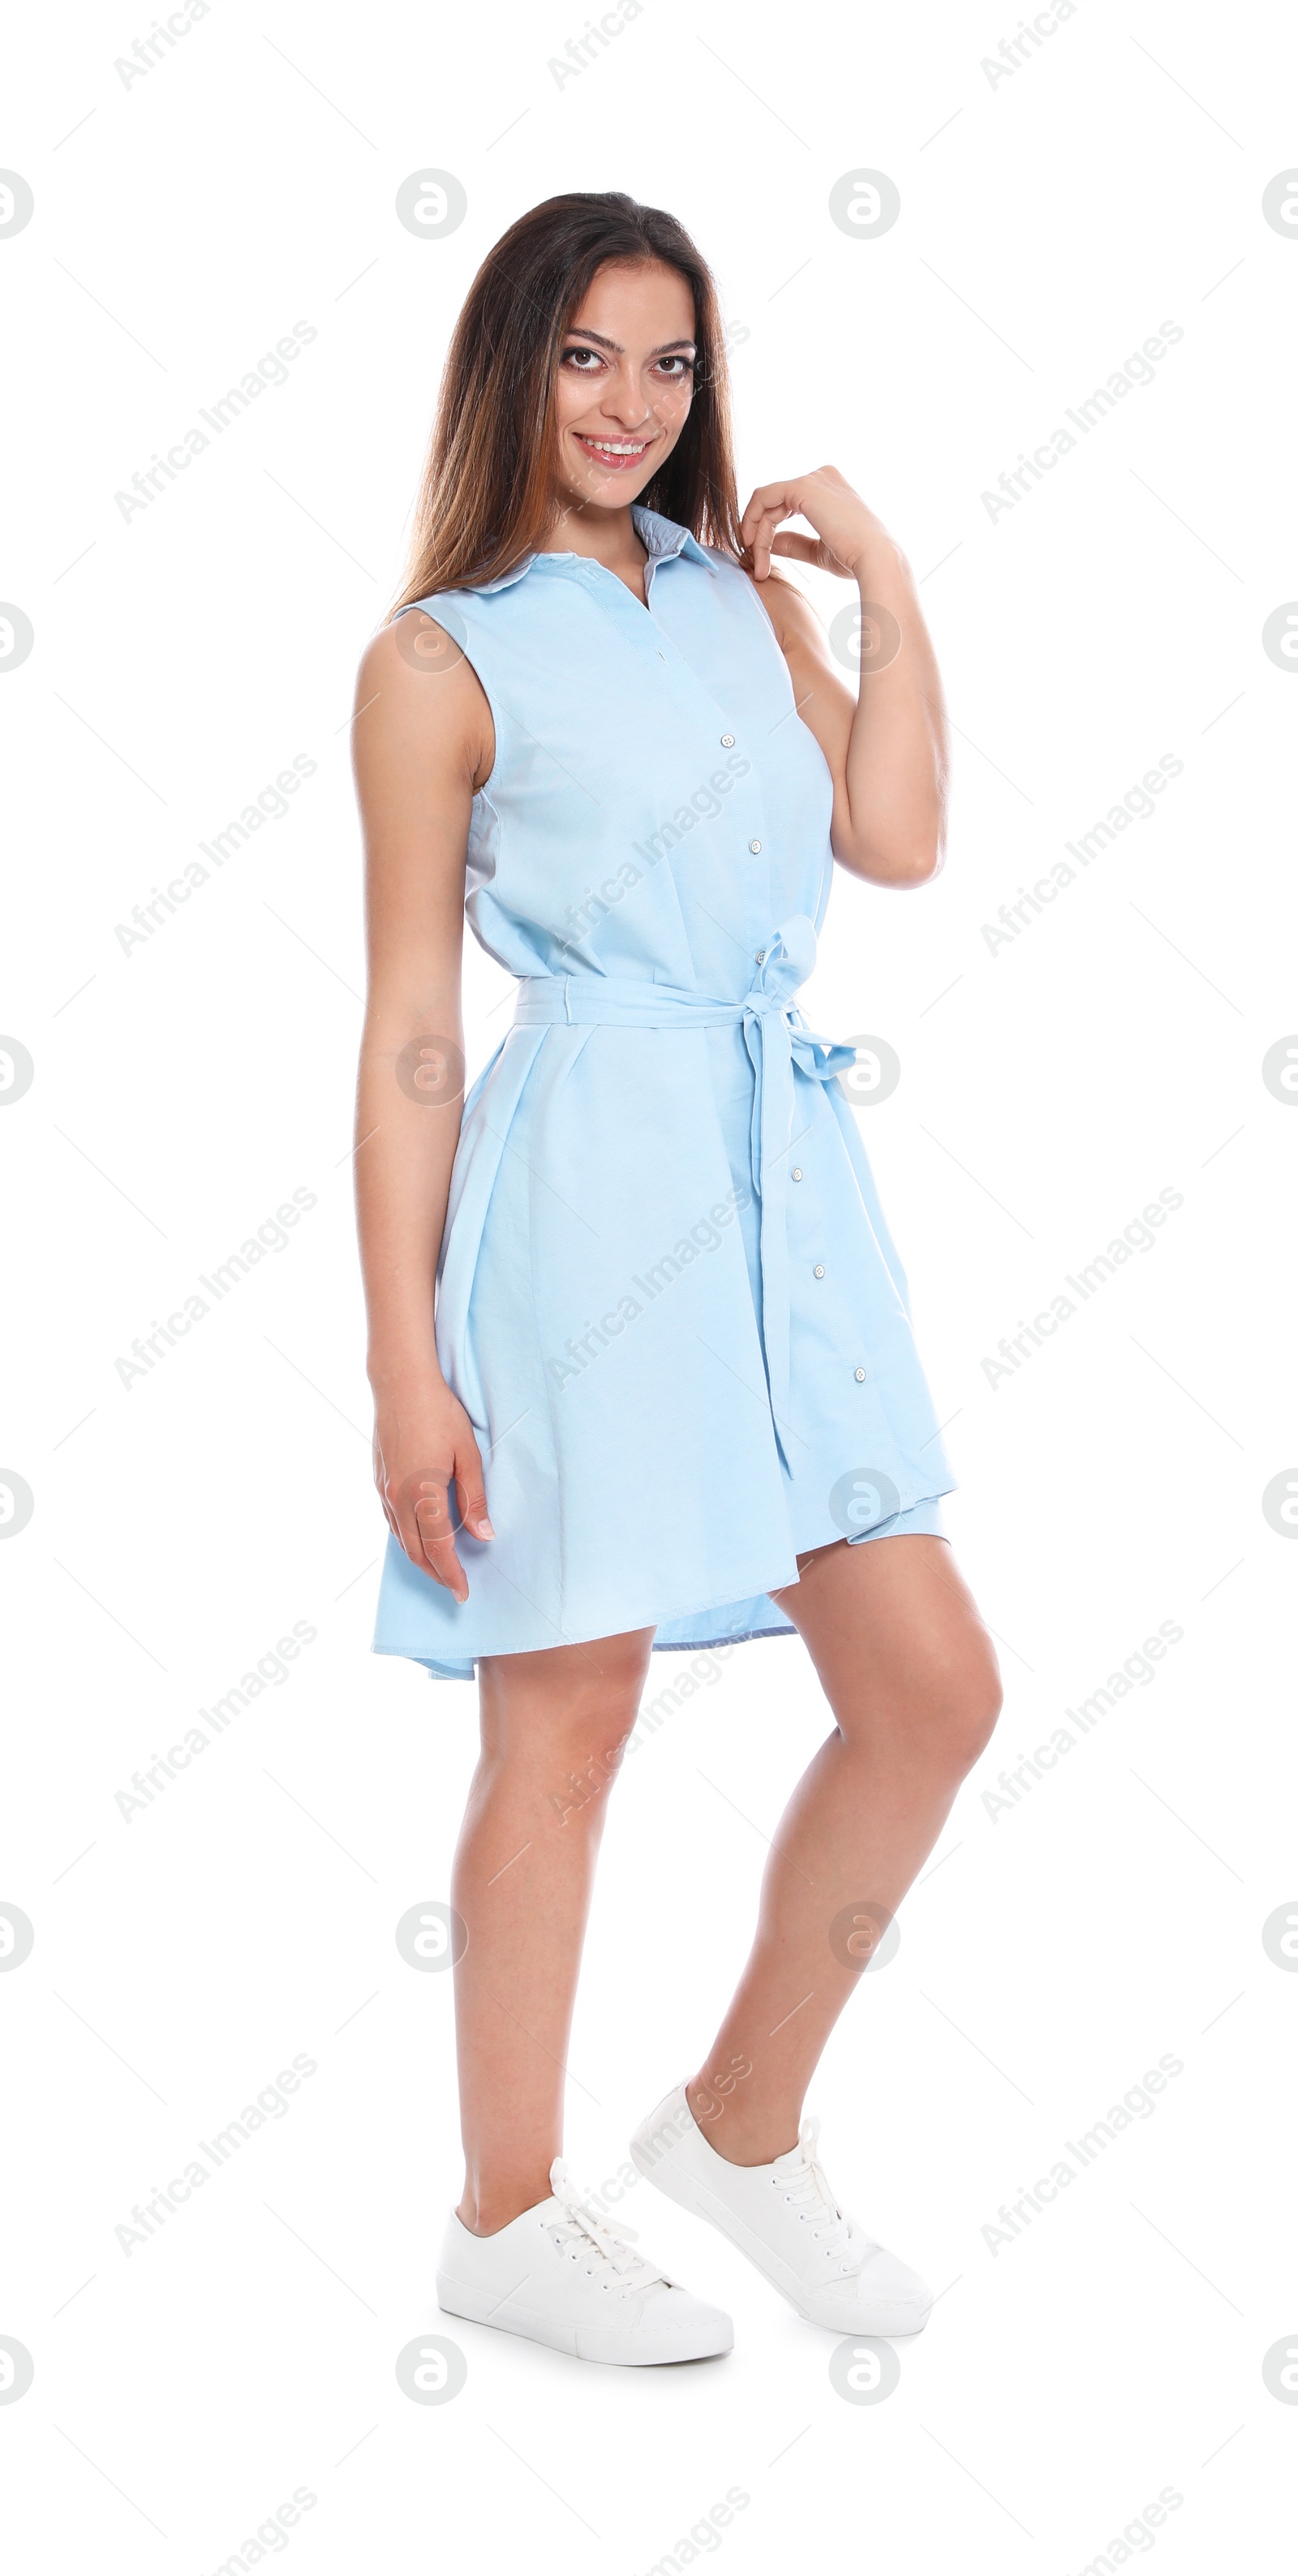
<point>777,1039</point>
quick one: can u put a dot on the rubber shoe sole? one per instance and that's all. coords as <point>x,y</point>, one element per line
<point>705,2336</point>
<point>892,2319</point>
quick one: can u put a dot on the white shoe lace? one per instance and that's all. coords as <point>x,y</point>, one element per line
<point>806,2187</point>
<point>607,2243</point>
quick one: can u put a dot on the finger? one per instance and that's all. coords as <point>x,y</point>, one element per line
<point>433,1521</point>
<point>782,498</point>
<point>388,1513</point>
<point>812,550</point>
<point>762,522</point>
<point>470,1491</point>
<point>765,511</point>
<point>425,1530</point>
<point>761,537</point>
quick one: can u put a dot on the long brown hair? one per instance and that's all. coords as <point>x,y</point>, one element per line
<point>487,495</point>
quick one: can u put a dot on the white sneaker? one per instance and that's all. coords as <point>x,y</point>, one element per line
<point>785,2218</point>
<point>568,2277</point>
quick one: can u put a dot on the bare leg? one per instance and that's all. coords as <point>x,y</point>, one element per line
<point>911,1677</point>
<point>553,1728</point>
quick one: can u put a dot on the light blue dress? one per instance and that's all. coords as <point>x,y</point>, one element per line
<point>667,1297</point>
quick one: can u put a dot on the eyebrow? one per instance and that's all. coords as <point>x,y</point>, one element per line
<point>663,349</point>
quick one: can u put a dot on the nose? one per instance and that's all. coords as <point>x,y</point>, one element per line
<point>629,412</point>
<point>624,400</point>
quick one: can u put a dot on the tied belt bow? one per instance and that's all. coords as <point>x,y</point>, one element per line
<point>776,1038</point>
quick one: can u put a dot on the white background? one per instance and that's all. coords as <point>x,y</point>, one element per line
<point>1049,223</point>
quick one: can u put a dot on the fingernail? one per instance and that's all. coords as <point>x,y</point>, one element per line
<point>485,1529</point>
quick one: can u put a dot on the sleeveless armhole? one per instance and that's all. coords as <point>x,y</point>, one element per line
<point>448,623</point>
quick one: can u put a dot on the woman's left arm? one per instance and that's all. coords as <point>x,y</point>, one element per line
<point>887,749</point>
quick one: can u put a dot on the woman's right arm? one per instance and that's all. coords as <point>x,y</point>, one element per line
<point>423,742</point>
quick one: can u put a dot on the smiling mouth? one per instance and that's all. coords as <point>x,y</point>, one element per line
<point>616,453</point>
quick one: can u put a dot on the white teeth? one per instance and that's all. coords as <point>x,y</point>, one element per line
<point>613,447</point>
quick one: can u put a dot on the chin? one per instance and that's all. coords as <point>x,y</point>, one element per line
<point>613,494</point>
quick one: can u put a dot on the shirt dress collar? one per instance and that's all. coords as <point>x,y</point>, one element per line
<point>660,538</point>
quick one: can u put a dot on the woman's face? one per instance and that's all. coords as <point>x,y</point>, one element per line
<point>626,379</point>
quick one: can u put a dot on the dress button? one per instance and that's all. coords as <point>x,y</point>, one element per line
<point>819,1271</point>
<point>754,846</point>
<point>797,1172</point>
<point>727,742</point>
<point>760,959</point>
<point>859,1375</point>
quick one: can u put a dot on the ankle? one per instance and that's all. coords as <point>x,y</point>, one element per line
<point>485,2211</point>
<point>747,2134</point>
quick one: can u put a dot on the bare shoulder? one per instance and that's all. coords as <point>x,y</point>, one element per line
<point>419,698</point>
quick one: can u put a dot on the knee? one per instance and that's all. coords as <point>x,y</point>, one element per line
<point>566,1734</point>
<point>597,1739</point>
<point>583,1762</point>
<point>961,1701</point>
<point>970,1705</point>
<point>595,1709</point>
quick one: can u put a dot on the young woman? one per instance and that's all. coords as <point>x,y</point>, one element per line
<point>672,1350</point>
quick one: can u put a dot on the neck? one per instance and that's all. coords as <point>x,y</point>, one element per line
<point>607,536</point>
